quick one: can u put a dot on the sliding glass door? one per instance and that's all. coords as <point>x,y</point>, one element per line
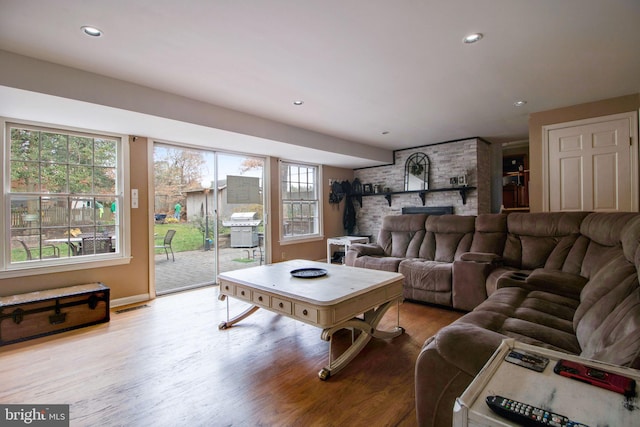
<point>209,212</point>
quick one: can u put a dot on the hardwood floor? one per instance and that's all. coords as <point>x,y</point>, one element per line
<point>167,364</point>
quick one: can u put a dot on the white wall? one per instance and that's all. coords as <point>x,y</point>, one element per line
<point>138,110</point>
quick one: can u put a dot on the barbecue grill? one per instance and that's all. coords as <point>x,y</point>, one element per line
<point>244,229</point>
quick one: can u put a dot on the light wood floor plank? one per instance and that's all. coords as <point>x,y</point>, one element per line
<point>169,365</point>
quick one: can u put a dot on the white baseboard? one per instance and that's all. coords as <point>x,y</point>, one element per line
<point>130,300</point>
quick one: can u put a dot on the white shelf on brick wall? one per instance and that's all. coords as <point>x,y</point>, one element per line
<point>422,193</point>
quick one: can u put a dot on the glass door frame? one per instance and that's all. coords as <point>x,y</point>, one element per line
<point>266,196</point>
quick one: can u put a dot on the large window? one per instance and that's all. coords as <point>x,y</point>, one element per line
<point>62,193</point>
<point>300,198</point>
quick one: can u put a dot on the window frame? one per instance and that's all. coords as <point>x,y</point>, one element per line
<point>71,263</point>
<point>319,234</point>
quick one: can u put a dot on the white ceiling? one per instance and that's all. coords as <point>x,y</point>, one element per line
<point>360,66</point>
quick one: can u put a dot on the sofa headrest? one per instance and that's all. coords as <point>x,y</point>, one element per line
<point>545,224</point>
<point>491,223</point>
<point>606,229</point>
<point>411,222</point>
<point>491,233</point>
<point>450,224</point>
<point>630,237</point>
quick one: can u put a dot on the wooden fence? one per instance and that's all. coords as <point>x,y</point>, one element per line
<point>56,217</point>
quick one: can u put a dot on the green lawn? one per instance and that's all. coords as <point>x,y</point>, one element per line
<point>188,237</point>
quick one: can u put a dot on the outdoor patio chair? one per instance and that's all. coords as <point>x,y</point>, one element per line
<point>166,244</point>
<point>96,245</point>
<point>28,249</point>
<point>259,248</point>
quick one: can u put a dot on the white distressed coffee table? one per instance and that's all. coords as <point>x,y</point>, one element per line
<point>331,302</point>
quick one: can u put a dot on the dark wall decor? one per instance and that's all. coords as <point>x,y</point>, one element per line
<point>416,172</point>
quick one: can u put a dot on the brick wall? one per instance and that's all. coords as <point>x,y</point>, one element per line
<point>471,157</point>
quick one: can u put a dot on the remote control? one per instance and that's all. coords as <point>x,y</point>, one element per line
<point>528,415</point>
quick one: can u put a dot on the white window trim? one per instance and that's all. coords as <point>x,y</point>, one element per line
<point>122,257</point>
<point>300,239</point>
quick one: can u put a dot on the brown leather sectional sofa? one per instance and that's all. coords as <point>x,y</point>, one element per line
<point>564,281</point>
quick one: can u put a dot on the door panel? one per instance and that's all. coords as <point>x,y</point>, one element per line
<point>590,167</point>
<point>605,183</point>
<point>570,195</point>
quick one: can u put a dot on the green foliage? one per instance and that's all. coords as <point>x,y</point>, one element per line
<point>176,171</point>
<point>59,162</point>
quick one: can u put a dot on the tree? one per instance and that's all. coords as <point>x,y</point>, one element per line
<point>250,164</point>
<point>57,162</point>
<point>176,171</point>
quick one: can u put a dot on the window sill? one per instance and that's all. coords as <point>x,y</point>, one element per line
<point>305,239</point>
<point>30,270</point>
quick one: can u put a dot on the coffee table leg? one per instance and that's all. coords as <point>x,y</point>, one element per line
<point>230,322</point>
<point>368,329</point>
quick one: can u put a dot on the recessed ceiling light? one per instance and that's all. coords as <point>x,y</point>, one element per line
<point>472,38</point>
<point>92,31</point>
<point>519,103</point>
<point>298,102</point>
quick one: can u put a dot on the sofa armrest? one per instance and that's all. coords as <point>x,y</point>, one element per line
<point>486,257</point>
<point>445,367</point>
<point>358,250</point>
<point>469,279</point>
<point>363,249</point>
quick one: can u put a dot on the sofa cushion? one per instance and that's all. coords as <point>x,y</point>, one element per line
<point>630,239</point>
<point>601,239</point>
<point>558,256</point>
<point>446,237</point>
<point>617,339</point>
<point>533,317</point>
<point>609,296</point>
<point>606,228</point>
<point>556,281</point>
<point>401,235</point>
<point>606,321</point>
<point>573,262</point>
<point>533,237</point>
<point>490,233</point>
<point>428,281</point>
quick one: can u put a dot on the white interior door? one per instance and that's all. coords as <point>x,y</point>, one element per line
<point>592,165</point>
